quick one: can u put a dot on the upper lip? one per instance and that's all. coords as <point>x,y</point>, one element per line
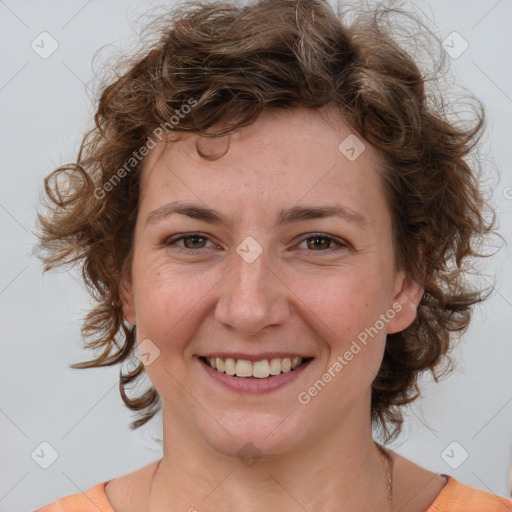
<point>255,357</point>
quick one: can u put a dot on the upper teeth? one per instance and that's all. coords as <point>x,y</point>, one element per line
<point>260,369</point>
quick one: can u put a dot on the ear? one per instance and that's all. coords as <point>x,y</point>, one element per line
<point>126,292</point>
<point>405,303</point>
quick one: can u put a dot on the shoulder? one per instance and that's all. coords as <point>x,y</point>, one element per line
<point>458,497</point>
<point>418,489</point>
<point>121,494</point>
<point>91,500</point>
<point>128,493</point>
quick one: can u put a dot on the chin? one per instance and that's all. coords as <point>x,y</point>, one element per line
<point>255,436</point>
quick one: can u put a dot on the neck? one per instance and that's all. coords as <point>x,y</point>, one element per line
<point>337,468</point>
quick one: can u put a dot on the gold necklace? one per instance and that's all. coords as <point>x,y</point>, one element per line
<point>388,463</point>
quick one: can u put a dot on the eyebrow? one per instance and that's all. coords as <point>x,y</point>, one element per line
<point>291,215</point>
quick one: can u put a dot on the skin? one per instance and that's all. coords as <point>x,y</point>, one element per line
<point>295,297</point>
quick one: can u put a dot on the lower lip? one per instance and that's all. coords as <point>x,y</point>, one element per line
<point>253,385</point>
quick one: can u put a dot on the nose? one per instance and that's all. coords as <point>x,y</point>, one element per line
<point>252,296</point>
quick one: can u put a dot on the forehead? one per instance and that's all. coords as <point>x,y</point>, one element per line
<point>283,158</point>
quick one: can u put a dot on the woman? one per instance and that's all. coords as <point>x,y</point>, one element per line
<point>275,220</point>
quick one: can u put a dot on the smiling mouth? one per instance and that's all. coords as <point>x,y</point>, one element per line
<point>257,369</point>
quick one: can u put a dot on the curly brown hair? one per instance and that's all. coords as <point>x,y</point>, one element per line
<point>232,62</point>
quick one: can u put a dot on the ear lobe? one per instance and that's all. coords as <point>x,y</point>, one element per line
<point>126,292</point>
<point>405,303</point>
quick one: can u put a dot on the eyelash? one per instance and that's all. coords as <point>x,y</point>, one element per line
<point>341,245</point>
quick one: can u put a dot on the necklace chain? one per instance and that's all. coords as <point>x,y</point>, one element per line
<point>388,462</point>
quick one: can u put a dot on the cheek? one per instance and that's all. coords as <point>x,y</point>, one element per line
<point>344,299</point>
<point>344,309</point>
<point>166,298</point>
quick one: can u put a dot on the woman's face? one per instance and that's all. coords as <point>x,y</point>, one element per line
<point>263,277</point>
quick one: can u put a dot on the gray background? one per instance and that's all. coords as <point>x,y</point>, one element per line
<point>45,109</point>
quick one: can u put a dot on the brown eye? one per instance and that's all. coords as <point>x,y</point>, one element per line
<point>323,244</point>
<point>195,242</point>
<point>190,242</point>
<point>319,242</point>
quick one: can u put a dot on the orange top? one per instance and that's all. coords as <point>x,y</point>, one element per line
<point>454,497</point>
